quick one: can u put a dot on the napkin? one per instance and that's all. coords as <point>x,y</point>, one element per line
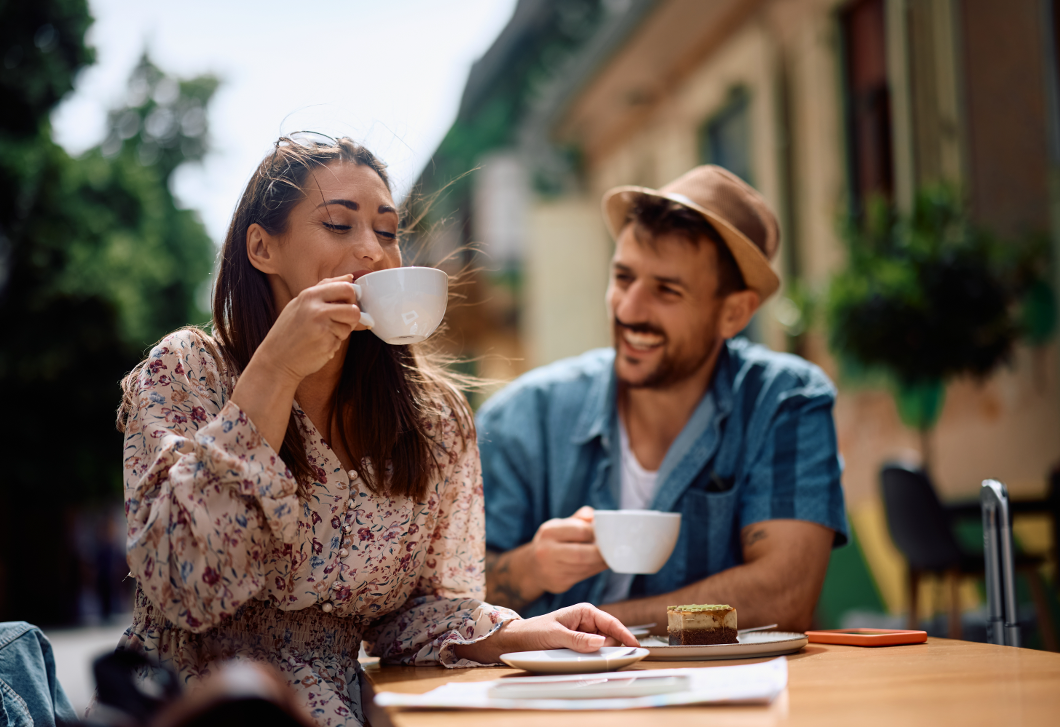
<point>745,684</point>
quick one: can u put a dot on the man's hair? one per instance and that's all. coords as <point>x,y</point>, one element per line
<point>658,216</point>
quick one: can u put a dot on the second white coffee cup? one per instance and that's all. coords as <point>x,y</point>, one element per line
<point>403,305</point>
<point>636,541</point>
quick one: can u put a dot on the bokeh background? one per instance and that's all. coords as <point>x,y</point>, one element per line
<point>911,149</point>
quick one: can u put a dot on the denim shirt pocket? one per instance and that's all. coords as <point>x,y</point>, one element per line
<point>708,520</point>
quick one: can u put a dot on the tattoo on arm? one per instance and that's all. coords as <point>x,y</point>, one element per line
<point>753,537</point>
<point>501,586</point>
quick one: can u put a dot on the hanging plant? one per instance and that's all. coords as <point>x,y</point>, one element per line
<point>930,296</point>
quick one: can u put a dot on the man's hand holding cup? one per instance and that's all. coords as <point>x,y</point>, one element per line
<point>565,552</point>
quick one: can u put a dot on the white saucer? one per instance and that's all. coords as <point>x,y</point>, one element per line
<point>752,645</point>
<point>566,661</point>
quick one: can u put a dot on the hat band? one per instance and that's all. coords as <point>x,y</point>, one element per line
<point>678,197</point>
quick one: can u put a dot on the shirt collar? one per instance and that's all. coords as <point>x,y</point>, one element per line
<point>722,383</point>
<point>601,404</point>
<point>600,408</point>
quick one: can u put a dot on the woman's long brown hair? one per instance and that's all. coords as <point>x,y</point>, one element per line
<point>394,394</point>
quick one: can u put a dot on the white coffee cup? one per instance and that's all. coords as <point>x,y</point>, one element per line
<point>636,541</point>
<point>403,305</point>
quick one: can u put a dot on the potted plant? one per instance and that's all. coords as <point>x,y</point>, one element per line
<point>929,296</point>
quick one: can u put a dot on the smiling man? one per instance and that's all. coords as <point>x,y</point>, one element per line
<point>682,416</point>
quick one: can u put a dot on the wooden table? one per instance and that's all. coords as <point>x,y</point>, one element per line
<point>942,682</point>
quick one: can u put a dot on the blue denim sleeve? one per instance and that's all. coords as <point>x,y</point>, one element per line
<point>30,694</point>
<point>508,437</point>
<point>797,473</point>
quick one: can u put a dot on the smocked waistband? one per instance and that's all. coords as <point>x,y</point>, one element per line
<point>304,629</point>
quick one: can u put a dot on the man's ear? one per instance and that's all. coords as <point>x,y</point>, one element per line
<point>736,312</point>
<point>261,249</point>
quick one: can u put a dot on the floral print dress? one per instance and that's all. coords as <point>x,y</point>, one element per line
<point>232,564</point>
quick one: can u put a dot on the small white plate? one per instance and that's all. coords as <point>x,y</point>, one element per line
<point>751,646</point>
<point>567,661</point>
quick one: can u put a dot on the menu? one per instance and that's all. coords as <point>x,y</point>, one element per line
<point>744,684</point>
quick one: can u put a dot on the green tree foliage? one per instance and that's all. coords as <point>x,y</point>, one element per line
<point>499,91</point>
<point>41,49</point>
<point>96,263</point>
<point>134,247</point>
<point>928,297</point>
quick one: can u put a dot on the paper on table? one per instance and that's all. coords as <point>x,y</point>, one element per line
<point>746,684</point>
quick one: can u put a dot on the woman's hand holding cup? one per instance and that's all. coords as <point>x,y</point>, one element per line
<point>307,334</point>
<point>311,329</point>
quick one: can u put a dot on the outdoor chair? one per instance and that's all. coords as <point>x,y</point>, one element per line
<point>922,530</point>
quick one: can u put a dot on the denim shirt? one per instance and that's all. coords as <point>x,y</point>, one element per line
<point>760,445</point>
<point>30,693</point>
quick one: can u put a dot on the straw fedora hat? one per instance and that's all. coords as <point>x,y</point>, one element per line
<point>737,211</point>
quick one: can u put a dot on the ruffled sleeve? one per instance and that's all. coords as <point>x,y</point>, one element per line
<point>207,499</point>
<point>446,608</point>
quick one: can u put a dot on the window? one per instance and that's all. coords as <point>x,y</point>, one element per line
<point>868,103</point>
<point>725,139</point>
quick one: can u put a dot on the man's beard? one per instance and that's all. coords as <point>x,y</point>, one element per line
<point>674,367</point>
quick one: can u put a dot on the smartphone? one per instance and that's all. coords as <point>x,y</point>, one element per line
<point>594,687</point>
<point>867,637</point>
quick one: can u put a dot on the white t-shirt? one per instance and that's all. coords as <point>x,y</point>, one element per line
<point>638,490</point>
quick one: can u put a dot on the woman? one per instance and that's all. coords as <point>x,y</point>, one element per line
<point>294,485</point>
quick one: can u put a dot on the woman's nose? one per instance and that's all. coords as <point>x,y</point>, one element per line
<point>367,247</point>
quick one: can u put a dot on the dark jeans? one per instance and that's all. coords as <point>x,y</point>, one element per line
<point>29,692</point>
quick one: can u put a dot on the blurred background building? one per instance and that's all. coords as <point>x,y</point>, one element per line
<point>828,107</point>
<point>822,105</point>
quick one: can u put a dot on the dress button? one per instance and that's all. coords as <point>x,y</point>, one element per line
<point>352,474</point>
<point>347,528</point>
<point>343,552</point>
<point>327,607</point>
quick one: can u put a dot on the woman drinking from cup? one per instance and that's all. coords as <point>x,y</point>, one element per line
<point>295,486</point>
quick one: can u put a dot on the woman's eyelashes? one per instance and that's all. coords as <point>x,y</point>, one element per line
<point>336,227</point>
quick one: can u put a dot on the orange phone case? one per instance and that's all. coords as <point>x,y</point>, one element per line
<point>867,637</point>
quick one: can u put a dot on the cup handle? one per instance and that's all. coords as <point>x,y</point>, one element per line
<point>366,318</point>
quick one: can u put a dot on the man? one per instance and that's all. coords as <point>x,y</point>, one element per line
<point>680,416</point>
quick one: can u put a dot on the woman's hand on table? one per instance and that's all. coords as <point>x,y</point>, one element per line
<point>581,627</point>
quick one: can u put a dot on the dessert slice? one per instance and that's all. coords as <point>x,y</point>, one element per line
<point>701,624</point>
